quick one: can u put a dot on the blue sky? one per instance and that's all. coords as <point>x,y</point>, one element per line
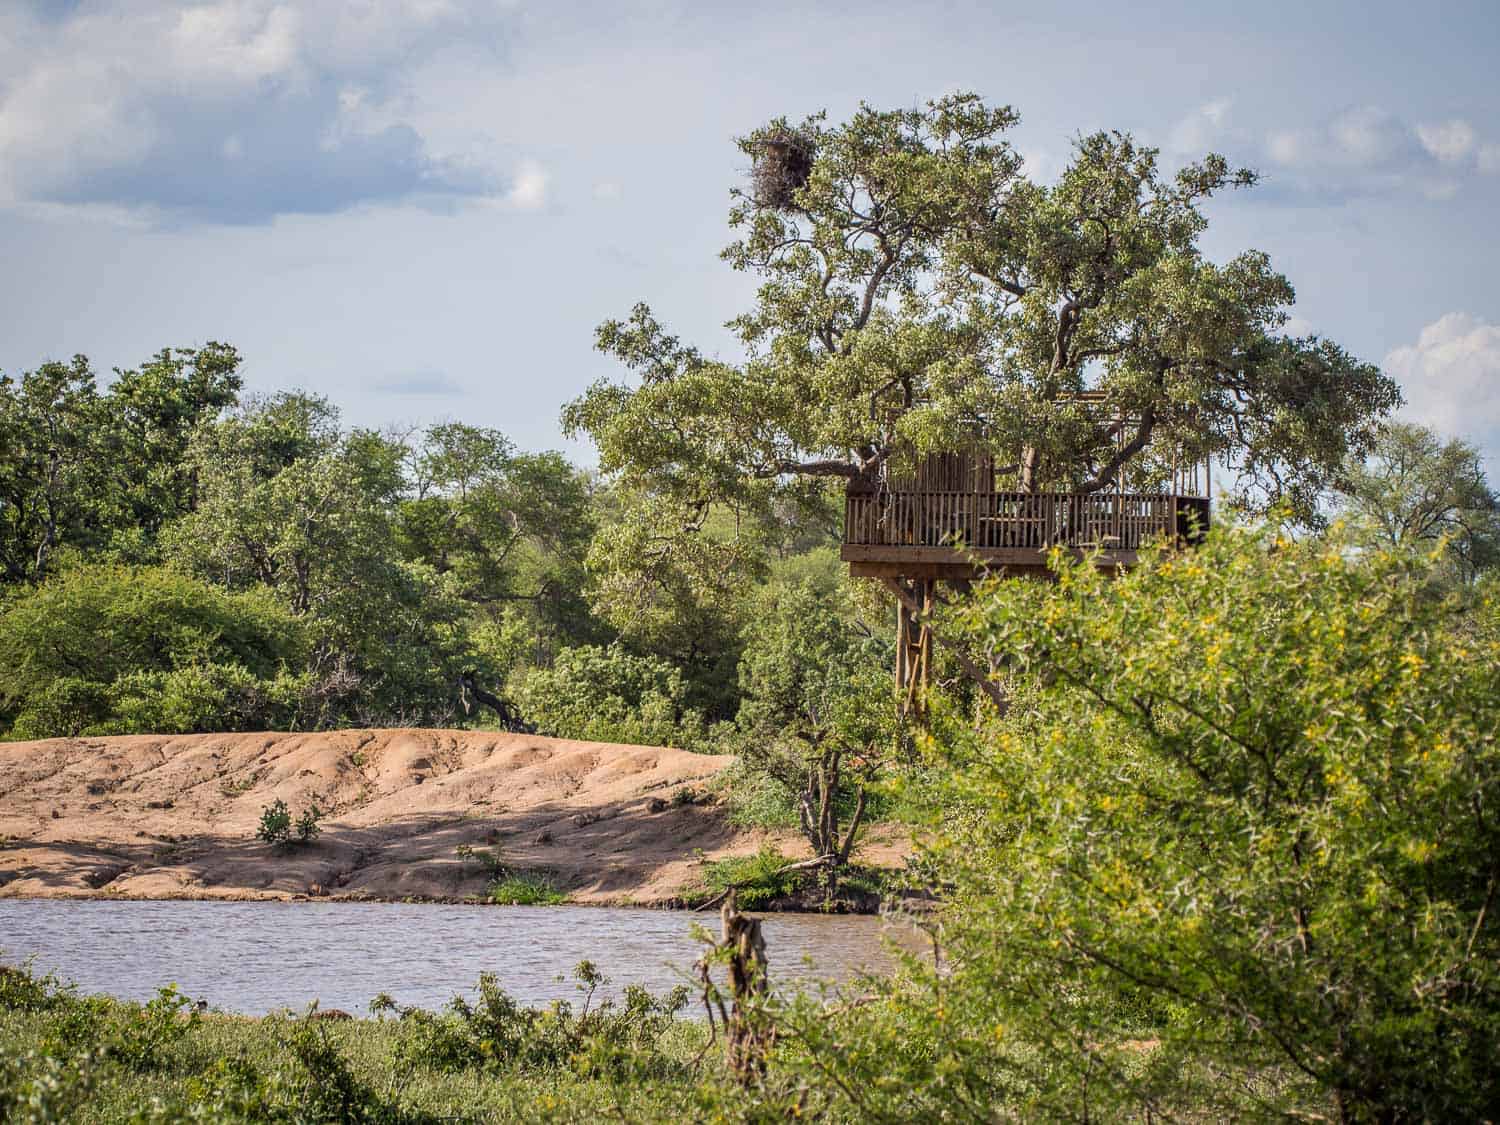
<point>422,208</point>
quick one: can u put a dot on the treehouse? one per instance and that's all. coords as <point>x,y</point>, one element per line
<point>953,517</point>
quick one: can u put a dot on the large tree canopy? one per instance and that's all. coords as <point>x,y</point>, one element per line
<point>920,292</point>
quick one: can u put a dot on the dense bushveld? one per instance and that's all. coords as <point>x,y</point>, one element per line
<point>1230,852</point>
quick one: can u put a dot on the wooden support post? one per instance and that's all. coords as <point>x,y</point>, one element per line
<point>914,606</point>
<point>915,601</point>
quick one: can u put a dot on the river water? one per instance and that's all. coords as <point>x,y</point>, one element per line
<point>257,957</point>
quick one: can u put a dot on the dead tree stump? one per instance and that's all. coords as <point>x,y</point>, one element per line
<point>748,1031</point>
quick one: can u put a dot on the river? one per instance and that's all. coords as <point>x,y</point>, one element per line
<point>257,957</point>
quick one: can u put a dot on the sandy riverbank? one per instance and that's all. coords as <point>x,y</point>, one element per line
<point>174,816</point>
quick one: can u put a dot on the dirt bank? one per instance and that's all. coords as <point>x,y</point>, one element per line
<point>174,816</point>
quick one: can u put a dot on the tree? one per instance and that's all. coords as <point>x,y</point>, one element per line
<point>512,529</point>
<point>96,471</point>
<point>672,583</point>
<point>1415,490</point>
<point>814,715</point>
<point>54,477</point>
<point>287,501</point>
<point>151,413</point>
<point>609,695</point>
<point>920,293</point>
<point>1231,855</point>
<point>106,648</point>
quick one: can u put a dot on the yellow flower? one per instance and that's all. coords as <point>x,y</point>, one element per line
<point>1418,851</point>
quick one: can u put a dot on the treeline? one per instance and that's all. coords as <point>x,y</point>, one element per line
<point>178,556</point>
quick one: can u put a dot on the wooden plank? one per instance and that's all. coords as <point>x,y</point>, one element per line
<point>993,556</point>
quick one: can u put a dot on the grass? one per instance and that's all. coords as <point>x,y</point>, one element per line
<point>755,878</point>
<point>520,889</point>
<point>94,1060</point>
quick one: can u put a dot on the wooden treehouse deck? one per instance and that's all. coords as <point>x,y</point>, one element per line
<point>939,528</point>
<point>949,520</point>
<point>941,534</point>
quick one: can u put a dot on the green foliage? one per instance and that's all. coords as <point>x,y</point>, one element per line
<point>919,293</point>
<point>817,715</point>
<point>146,1033</point>
<point>275,824</point>
<point>37,1087</point>
<point>21,990</point>
<point>1229,853</point>
<point>671,579</point>
<point>487,1060</point>
<point>757,879</point>
<point>307,824</point>
<point>520,889</point>
<point>509,528</point>
<point>85,470</point>
<point>1416,491</point>
<point>289,503</point>
<point>204,697</point>
<point>496,1032</point>
<point>181,655</point>
<point>609,695</point>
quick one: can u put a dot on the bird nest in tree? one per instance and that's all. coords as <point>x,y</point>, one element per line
<point>783,163</point>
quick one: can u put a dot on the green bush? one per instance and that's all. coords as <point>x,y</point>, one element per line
<point>609,695</point>
<point>202,698</point>
<point>1230,854</point>
<point>307,824</point>
<point>275,824</point>
<point>62,708</point>
<point>516,889</point>
<point>182,656</point>
<point>496,1032</point>
<point>146,1033</point>
<point>757,878</point>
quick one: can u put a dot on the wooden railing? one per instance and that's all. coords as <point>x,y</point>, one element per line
<point>996,520</point>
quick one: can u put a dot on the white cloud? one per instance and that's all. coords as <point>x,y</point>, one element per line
<point>1367,151</point>
<point>1451,379</point>
<point>1450,141</point>
<point>128,103</point>
<point>1365,137</point>
<point>528,191</point>
<point>606,190</point>
<point>1204,128</point>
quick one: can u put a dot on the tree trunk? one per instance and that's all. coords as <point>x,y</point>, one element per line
<point>748,1035</point>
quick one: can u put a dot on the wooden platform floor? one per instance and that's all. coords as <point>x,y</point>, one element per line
<point>887,561</point>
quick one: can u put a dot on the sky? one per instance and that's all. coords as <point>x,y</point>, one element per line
<point>423,208</point>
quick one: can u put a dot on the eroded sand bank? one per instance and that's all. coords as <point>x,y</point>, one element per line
<point>174,816</point>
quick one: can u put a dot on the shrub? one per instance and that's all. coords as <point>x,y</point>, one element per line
<point>204,697</point>
<point>183,655</point>
<point>517,889</point>
<point>146,1032</point>
<point>307,824</point>
<point>757,878</point>
<point>275,824</point>
<point>64,708</point>
<point>1232,852</point>
<point>497,1032</point>
<point>609,695</point>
